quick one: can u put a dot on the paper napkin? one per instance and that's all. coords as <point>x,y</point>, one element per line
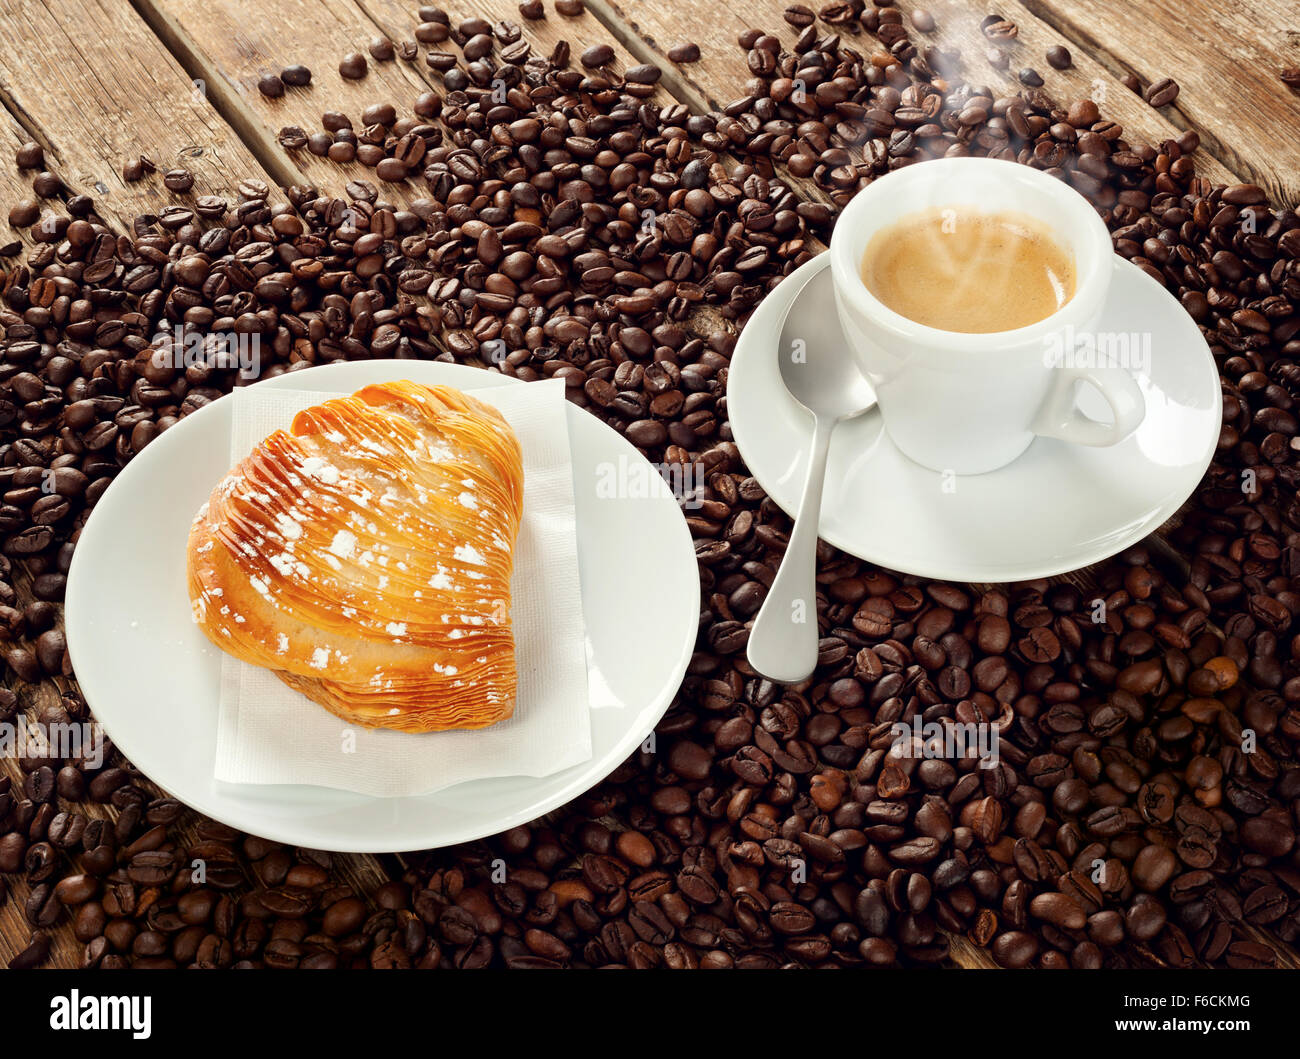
<point>268,733</point>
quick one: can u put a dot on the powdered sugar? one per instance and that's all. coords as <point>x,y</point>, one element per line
<point>320,468</point>
<point>467,553</point>
<point>290,527</point>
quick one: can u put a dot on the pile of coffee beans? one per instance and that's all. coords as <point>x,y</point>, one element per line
<point>1142,810</point>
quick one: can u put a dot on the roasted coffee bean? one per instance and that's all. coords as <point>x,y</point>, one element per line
<point>30,155</point>
<point>76,889</point>
<point>35,953</point>
<point>1015,948</point>
<point>1161,93</point>
<point>597,55</point>
<point>271,86</point>
<point>178,180</point>
<point>999,29</point>
<point>352,67</point>
<point>1059,57</point>
<point>47,184</point>
<point>42,908</point>
<point>13,850</point>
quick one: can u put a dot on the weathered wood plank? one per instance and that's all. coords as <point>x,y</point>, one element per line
<point>230,45</point>
<point>1227,59</point>
<point>95,87</point>
<point>15,185</point>
<point>652,26</point>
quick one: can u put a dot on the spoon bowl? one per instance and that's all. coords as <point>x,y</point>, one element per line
<point>816,365</point>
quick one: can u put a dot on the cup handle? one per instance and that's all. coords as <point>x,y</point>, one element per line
<point>1059,416</point>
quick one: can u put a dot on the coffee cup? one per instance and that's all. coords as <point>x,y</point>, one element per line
<point>971,402</point>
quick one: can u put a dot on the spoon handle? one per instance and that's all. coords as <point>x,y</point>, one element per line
<point>783,640</point>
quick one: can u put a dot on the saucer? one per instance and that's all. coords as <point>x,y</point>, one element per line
<point>1056,508</point>
<point>153,680</point>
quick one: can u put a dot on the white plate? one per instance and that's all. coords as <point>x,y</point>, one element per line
<point>152,679</point>
<point>1057,508</point>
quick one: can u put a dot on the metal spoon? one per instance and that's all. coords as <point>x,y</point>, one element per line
<point>820,374</point>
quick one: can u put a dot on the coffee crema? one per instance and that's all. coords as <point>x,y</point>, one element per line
<point>959,269</point>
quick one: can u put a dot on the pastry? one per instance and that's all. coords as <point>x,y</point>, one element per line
<point>364,556</point>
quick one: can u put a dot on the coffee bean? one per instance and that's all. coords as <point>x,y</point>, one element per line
<point>642,74</point>
<point>292,138</point>
<point>13,849</point>
<point>1015,948</point>
<point>1249,955</point>
<point>686,52</point>
<point>30,155</point>
<point>1059,57</point>
<point>24,214</point>
<point>1161,93</point>
<point>999,29</point>
<point>922,20</point>
<point>1059,910</point>
<point>270,86</point>
<point>76,889</point>
<point>432,32</point>
<point>352,67</point>
<point>178,180</point>
<point>35,954</point>
<point>296,75</point>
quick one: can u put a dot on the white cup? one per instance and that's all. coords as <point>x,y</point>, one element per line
<point>970,403</point>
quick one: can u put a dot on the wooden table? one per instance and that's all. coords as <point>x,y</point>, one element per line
<point>99,81</point>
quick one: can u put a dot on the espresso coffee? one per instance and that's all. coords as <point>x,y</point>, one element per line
<point>957,269</point>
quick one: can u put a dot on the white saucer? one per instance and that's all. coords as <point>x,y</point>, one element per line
<point>1057,508</point>
<point>152,679</point>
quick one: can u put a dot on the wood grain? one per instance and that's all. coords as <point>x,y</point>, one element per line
<point>95,87</point>
<point>1227,59</point>
<point>231,44</point>
<point>16,185</point>
<point>653,26</point>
